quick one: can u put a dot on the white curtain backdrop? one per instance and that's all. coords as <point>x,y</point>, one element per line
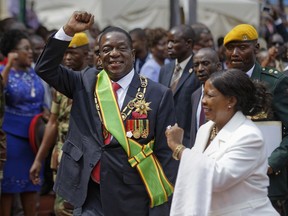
<point>127,14</point>
<point>219,15</point>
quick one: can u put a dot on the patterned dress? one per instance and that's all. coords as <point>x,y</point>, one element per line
<point>24,95</point>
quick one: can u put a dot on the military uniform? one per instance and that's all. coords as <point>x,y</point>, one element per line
<point>277,84</point>
<point>61,207</point>
<point>63,122</point>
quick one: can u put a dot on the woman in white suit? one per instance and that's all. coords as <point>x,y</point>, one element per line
<point>224,174</point>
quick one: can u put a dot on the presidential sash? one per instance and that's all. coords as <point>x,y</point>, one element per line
<point>140,156</point>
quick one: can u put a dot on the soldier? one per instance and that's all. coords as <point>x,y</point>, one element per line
<point>241,45</point>
<point>75,57</point>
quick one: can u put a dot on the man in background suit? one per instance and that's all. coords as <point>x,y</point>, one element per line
<point>108,126</point>
<point>179,75</point>
<point>241,45</point>
<point>141,47</point>
<point>203,37</point>
<point>205,62</point>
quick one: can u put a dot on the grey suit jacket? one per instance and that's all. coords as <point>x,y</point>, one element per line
<point>187,84</point>
<point>120,184</point>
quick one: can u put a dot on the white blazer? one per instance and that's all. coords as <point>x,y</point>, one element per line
<point>231,171</point>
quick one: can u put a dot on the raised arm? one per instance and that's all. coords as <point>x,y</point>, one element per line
<point>78,22</point>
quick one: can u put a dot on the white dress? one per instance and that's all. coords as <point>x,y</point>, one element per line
<point>226,179</point>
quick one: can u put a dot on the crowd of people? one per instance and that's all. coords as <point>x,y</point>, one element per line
<point>152,121</point>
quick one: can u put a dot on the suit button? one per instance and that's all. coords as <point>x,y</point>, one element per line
<point>91,165</point>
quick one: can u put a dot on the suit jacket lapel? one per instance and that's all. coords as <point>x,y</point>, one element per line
<point>169,73</point>
<point>132,90</point>
<point>218,146</point>
<point>196,101</point>
<point>188,70</point>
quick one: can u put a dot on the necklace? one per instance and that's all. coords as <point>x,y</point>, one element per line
<point>213,133</point>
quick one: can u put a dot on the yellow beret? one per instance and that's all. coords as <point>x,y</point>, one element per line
<point>79,39</point>
<point>242,32</point>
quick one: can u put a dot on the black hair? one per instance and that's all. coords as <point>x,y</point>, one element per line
<point>198,29</point>
<point>187,32</point>
<point>252,96</point>
<point>155,35</point>
<point>139,32</point>
<point>116,29</point>
<point>10,40</point>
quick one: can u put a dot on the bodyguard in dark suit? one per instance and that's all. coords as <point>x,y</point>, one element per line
<point>101,132</point>
<point>180,46</point>
<point>205,62</point>
<point>241,48</point>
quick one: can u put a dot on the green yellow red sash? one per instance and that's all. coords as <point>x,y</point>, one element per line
<point>140,156</point>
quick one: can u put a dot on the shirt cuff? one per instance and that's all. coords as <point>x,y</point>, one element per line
<point>61,35</point>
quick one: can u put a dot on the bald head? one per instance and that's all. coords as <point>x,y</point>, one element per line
<point>210,53</point>
<point>206,62</point>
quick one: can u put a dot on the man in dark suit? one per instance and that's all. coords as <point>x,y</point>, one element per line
<point>76,58</point>
<point>205,62</point>
<point>115,159</point>
<point>242,45</point>
<point>179,75</point>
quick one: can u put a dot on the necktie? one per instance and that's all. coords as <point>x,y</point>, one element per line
<point>175,77</point>
<point>115,87</point>
<point>95,175</point>
<point>202,116</point>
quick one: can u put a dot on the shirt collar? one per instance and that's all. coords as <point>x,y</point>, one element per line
<point>249,72</point>
<point>183,63</point>
<point>125,81</point>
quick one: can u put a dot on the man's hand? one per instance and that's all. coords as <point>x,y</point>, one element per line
<point>78,22</point>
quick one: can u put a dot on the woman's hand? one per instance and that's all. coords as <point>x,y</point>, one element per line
<point>35,172</point>
<point>11,58</point>
<point>174,136</point>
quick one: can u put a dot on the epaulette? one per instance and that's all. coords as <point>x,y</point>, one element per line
<point>272,72</point>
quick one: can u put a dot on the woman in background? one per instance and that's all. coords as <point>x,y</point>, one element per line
<point>24,94</point>
<point>157,40</point>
